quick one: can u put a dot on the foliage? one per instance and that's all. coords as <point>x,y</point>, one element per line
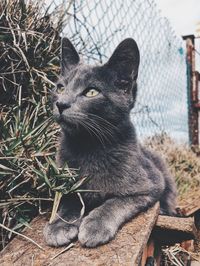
<point>29,64</point>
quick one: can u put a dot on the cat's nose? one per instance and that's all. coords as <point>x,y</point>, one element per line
<point>62,106</point>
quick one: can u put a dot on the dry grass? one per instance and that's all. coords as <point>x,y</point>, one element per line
<point>177,256</point>
<point>184,165</point>
<point>29,64</point>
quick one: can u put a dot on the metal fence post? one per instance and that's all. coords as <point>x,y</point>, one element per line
<point>193,101</point>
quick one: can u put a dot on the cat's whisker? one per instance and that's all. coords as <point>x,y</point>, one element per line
<point>103,133</point>
<point>89,128</point>
<point>102,123</point>
<point>106,132</point>
<point>100,127</point>
<point>97,129</point>
<point>97,117</point>
<point>93,130</point>
<point>107,127</point>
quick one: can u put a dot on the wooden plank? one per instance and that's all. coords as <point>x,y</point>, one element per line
<point>126,249</point>
<point>171,230</point>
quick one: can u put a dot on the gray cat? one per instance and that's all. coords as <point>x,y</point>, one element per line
<point>92,104</point>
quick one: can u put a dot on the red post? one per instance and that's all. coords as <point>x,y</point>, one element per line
<point>193,94</point>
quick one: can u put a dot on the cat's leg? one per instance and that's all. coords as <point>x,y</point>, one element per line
<point>64,229</point>
<point>102,223</point>
<point>168,199</point>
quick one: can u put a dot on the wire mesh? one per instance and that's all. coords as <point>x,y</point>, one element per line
<point>97,26</point>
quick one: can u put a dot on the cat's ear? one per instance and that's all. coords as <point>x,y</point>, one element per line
<point>69,56</point>
<point>125,59</point>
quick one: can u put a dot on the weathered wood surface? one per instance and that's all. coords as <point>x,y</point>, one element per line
<point>126,249</point>
<point>171,230</point>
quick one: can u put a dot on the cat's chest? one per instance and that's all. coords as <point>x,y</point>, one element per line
<point>98,164</point>
<point>103,173</point>
<point>110,171</point>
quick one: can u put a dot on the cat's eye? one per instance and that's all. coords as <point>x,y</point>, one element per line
<point>91,92</point>
<point>60,88</point>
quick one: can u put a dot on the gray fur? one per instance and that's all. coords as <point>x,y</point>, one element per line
<point>99,139</point>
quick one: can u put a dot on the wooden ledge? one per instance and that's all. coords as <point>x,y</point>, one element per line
<point>171,230</point>
<point>126,249</point>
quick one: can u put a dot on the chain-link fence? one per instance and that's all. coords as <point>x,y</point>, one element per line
<point>97,26</point>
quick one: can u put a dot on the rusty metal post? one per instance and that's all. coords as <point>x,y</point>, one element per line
<point>193,101</point>
<point>197,103</point>
<point>197,235</point>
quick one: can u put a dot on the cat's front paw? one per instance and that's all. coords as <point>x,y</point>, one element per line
<point>59,234</point>
<point>95,232</point>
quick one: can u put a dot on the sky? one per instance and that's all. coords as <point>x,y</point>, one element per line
<point>183,14</point>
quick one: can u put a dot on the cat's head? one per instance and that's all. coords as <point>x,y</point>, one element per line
<point>89,95</point>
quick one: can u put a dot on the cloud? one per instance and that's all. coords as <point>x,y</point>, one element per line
<point>183,14</point>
